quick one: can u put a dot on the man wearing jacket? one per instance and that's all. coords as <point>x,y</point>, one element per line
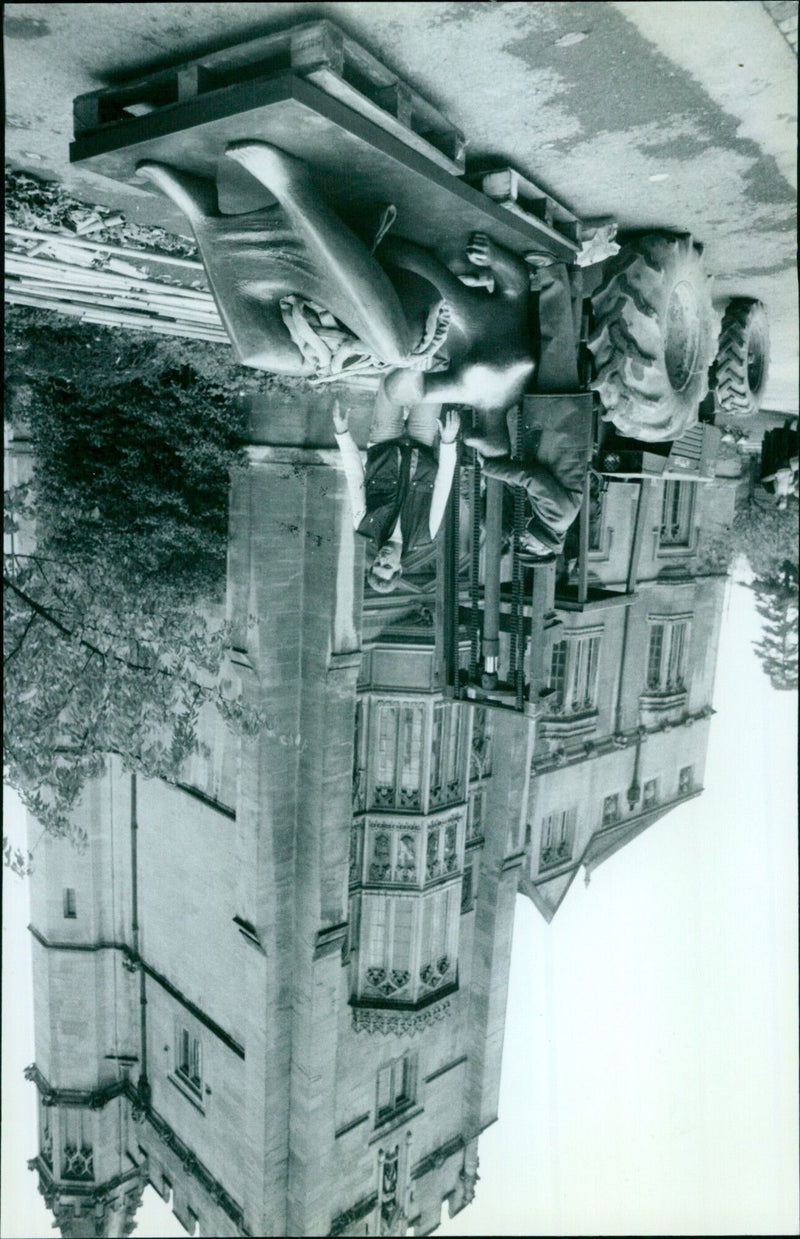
<point>398,501</point>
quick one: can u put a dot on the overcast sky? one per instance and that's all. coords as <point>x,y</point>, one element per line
<point>650,1072</point>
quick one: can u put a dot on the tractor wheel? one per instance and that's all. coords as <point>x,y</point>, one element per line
<point>655,337</point>
<point>743,358</point>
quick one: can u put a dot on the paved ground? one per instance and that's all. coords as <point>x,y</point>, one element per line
<point>675,115</point>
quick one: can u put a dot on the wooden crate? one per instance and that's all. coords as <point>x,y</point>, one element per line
<point>515,193</point>
<point>318,51</point>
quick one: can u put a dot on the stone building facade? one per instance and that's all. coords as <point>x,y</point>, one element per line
<point>277,992</point>
<point>623,727</point>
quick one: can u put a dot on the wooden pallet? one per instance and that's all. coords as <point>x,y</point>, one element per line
<point>318,51</point>
<point>515,193</point>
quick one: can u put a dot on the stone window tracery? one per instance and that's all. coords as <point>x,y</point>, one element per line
<point>439,938</point>
<point>432,868</point>
<point>677,508</point>
<point>441,850</point>
<point>574,666</point>
<point>558,836</point>
<point>46,1139</point>
<point>387,934</point>
<point>475,819</point>
<point>359,788</point>
<point>77,1155</point>
<point>395,1088</point>
<point>188,1059</point>
<point>407,858</point>
<point>666,656</point>
<point>481,752</point>
<point>450,859</point>
<point>398,756</point>
<point>392,854</point>
<point>445,776</point>
<point>466,889</point>
<point>381,863</point>
<point>650,794</point>
<point>355,853</point>
<point>386,755</point>
<point>411,757</point>
<point>611,810</point>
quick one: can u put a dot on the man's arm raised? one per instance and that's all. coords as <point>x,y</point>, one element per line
<point>448,430</point>
<point>353,467</point>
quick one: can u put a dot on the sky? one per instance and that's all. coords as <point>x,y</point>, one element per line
<point>650,1073</point>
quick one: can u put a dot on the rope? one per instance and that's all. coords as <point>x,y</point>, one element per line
<point>388,216</point>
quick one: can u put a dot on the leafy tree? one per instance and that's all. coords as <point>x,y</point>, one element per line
<point>767,537</point>
<point>114,636</point>
<point>777,594</point>
<point>765,534</point>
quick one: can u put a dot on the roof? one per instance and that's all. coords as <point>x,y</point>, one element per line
<point>606,842</point>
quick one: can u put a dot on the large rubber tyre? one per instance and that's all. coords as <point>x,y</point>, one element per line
<point>655,337</point>
<point>742,358</point>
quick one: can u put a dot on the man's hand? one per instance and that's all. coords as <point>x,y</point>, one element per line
<point>449,428</point>
<point>340,419</point>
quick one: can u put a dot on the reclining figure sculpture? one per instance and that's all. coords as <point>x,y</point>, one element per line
<point>280,272</point>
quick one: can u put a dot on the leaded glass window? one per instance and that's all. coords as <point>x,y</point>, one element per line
<point>666,656</point>
<point>573,673</point>
<point>558,833</point>
<point>77,1157</point>
<point>611,809</point>
<point>676,513</point>
<point>189,1062</point>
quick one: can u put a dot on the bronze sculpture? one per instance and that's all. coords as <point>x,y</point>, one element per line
<point>280,274</point>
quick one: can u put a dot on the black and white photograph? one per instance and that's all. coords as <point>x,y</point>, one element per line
<point>400,604</point>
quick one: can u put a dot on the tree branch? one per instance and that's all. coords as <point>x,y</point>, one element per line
<point>21,642</point>
<point>67,632</point>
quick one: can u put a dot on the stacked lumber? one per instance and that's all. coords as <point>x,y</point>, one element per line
<point>109,284</point>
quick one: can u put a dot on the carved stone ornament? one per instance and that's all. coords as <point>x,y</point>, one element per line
<point>78,1163</point>
<point>386,982</point>
<point>432,975</point>
<point>399,1022</point>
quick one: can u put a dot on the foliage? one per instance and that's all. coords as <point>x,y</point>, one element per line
<point>133,439</point>
<point>114,636</point>
<point>16,860</point>
<point>95,663</point>
<point>767,537</point>
<point>777,595</point>
<point>716,553</point>
<point>765,534</point>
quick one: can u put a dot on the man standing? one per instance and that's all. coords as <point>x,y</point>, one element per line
<point>398,502</point>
